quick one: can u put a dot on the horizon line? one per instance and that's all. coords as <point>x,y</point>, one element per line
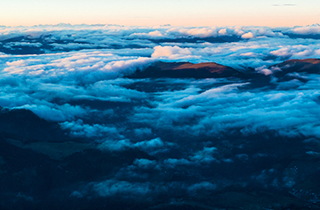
<point>156,25</point>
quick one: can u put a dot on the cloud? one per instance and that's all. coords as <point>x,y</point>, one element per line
<point>140,132</point>
<point>202,186</point>
<point>128,66</point>
<point>116,145</point>
<point>284,5</point>
<point>146,164</point>
<point>92,76</point>
<point>205,155</point>
<point>54,112</point>
<point>248,35</point>
<point>151,34</point>
<point>170,52</point>
<point>17,63</point>
<point>113,187</point>
<point>171,162</point>
<point>178,134</point>
<point>307,30</point>
<point>12,45</point>
<point>152,147</point>
<point>193,44</point>
<point>195,32</point>
<point>94,65</point>
<point>264,70</point>
<point>196,159</point>
<point>78,129</point>
<point>203,114</point>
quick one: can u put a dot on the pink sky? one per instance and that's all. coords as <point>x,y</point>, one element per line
<point>156,12</point>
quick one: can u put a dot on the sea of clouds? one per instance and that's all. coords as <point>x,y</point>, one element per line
<point>76,75</point>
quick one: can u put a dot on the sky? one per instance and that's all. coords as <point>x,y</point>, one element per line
<point>271,13</point>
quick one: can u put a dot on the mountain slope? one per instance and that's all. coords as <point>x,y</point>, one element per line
<point>311,66</point>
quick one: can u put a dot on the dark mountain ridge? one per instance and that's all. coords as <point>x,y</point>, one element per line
<point>186,70</point>
<point>214,70</point>
<point>26,126</point>
<point>311,66</point>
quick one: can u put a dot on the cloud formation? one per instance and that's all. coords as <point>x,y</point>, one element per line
<point>188,137</point>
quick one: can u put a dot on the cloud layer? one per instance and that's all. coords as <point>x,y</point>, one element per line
<point>197,136</point>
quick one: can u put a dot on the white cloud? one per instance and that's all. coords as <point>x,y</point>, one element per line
<point>307,30</point>
<point>284,52</point>
<point>264,70</point>
<point>17,63</point>
<point>127,65</point>
<point>170,52</point>
<point>151,34</point>
<point>195,32</point>
<point>54,112</point>
<point>248,35</point>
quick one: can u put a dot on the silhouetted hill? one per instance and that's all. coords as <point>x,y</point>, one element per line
<point>311,66</point>
<point>186,70</point>
<point>24,125</point>
<point>29,175</point>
